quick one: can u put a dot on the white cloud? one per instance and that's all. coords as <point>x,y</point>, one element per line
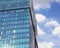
<point>48,23</point>
<point>57,1</point>
<point>40,31</point>
<point>56,31</point>
<point>52,23</point>
<point>45,44</point>
<point>40,17</point>
<point>38,4</point>
<point>44,4</point>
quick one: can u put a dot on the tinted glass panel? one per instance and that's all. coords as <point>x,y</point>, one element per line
<point>13,4</point>
<point>14,29</point>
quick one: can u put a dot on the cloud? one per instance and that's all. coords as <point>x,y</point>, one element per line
<point>56,25</point>
<point>57,1</point>
<point>56,31</point>
<point>51,23</point>
<point>38,4</point>
<point>48,23</point>
<point>44,4</point>
<point>40,17</point>
<point>40,31</point>
<point>45,44</point>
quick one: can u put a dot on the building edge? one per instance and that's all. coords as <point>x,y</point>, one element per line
<point>34,23</point>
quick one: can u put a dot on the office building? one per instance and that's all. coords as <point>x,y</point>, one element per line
<point>17,24</point>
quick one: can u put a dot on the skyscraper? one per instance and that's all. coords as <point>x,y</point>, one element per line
<point>17,24</point>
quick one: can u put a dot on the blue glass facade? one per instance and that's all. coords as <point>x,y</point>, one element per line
<point>14,28</point>
<point>15,24</point>
<point>14,4</point>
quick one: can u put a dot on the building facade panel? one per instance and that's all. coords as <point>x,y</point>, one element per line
<point>14,4</point>
<point>15,28</point>
<point>17,24</point>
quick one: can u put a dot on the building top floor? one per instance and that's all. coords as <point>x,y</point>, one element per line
<point>14,4</point>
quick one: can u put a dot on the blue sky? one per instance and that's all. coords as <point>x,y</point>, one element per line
<point>48,20</point>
